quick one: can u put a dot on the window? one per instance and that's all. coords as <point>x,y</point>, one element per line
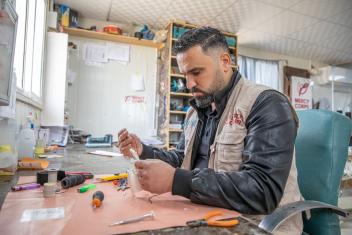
<point>29,50</point>
<point>265,72</point>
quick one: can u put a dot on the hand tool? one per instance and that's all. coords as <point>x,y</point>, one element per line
<point>150,214</point>
<point>111,177</point>
<point>217,223</point>
<point>85,188</point>
<point>98,198</point>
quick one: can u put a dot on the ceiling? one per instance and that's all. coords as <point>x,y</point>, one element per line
<point>319,30</point>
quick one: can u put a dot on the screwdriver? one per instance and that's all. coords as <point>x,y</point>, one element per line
<point>98,198</point>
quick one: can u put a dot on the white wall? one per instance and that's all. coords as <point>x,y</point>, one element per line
<point>96,99</point>
<point>9,128</point>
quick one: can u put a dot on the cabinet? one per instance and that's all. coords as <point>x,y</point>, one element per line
<point>177,95</point>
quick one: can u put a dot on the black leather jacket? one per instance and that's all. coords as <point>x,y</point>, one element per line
<point>257,187</point>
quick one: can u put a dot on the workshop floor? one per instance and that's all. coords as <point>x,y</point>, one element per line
<point>78,160</point>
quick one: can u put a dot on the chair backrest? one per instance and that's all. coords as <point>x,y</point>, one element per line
<point>321,154</point>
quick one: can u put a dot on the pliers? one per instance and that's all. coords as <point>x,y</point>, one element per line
<point>217,223</point>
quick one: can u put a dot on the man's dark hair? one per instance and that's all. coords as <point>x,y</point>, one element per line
<point>206,37</point>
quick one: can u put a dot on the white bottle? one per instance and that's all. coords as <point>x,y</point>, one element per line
<point>26,142</point>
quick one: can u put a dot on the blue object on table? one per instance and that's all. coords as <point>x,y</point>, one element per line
<point>99,142</point>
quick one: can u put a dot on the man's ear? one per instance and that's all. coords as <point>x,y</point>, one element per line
<point>225,61</point>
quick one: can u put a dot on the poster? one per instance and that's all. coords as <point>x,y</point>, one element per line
<point>301,93</point>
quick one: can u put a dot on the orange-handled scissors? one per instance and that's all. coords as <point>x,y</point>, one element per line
<point>217,223</point>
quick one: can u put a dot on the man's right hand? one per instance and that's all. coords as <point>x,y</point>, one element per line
<point>127,141</point>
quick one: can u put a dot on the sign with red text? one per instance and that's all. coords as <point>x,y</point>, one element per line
<point>301,93</point>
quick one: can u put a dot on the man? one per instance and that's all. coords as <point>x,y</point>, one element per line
<point>237,146</point>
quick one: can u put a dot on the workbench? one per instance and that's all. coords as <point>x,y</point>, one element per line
<point>78,208</point>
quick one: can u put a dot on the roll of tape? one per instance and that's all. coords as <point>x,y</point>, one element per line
<point>42,177</point>
<point>49,190</point>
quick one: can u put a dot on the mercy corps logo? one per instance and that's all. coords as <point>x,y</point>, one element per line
<point>236,118</point>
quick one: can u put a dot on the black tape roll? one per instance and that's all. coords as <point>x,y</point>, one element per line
<point>60,175</point>
<point>42,177</point>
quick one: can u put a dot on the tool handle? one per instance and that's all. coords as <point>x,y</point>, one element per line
<point>98,195</point>
<point>212,214</point>
<point>223,223</point>
<point>86,188</point>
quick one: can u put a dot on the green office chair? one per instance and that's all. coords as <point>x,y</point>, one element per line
<point>321,154</point>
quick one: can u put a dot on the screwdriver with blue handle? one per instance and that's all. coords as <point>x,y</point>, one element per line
<point>98,198</point>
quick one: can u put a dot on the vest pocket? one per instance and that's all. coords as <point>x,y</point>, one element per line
<point>228,153</point>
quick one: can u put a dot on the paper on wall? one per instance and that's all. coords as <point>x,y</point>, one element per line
<point>301,93</point>
<point>137,82</point>
<point>118,52</point>
<point>95,53</point>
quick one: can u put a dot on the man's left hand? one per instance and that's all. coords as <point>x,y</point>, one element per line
<point>155,175</point>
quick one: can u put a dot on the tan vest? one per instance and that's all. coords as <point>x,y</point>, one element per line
<point>226,151</point>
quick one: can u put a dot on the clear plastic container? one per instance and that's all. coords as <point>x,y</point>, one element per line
<point>8,160</point>
<point>133,181</point>
<point>8,153</point>
<point>26,143</point>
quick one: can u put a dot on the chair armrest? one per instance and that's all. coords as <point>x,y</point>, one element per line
<point>281,214</point>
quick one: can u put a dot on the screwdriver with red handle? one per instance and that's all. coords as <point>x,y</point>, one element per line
<point>98,198</point>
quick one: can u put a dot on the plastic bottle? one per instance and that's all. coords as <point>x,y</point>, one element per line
<point>26,140</point>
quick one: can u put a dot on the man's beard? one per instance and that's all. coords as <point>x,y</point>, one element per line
<point>204,101</point>
<point>208,97</point>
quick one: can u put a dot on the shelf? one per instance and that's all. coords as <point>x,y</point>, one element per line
<point>177,75</point>
<point>181,94</point>
<point>175,130</point>
<point>178,112</point>
<point>174,74</point>
<point>112,37</point>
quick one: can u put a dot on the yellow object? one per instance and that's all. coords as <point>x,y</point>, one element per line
<point>38,151</point>
<point>114,177</point>
<point>5,173</point>
<point>5,148</point>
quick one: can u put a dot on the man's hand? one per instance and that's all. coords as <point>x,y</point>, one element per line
<point>155,175</point>
<point>127,141</point>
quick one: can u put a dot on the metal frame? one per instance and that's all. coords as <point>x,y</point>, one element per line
<point>6,6</point>
<point>281,214</point>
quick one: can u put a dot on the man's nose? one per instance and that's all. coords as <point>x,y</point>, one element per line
<point>190,83</point>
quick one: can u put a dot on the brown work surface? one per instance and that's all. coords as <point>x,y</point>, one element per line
<point>80,218</point>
